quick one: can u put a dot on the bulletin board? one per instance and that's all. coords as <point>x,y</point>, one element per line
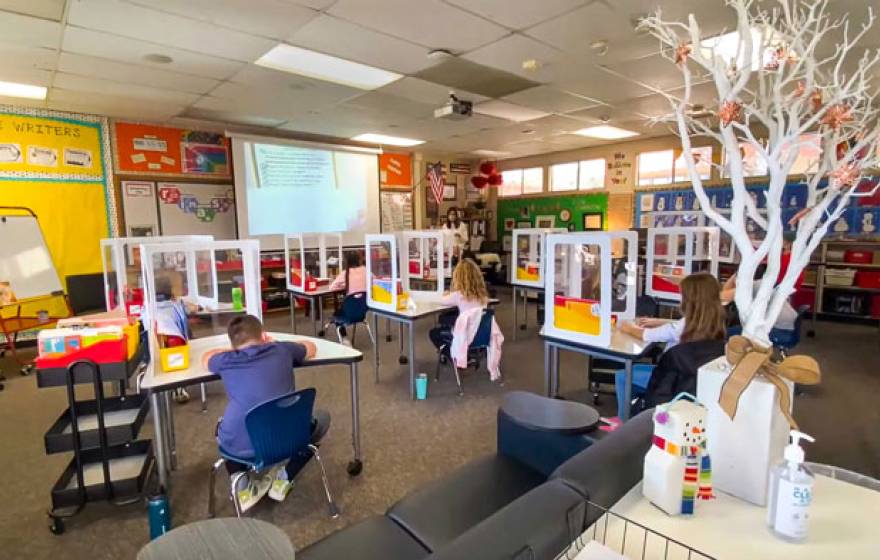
<point>397,211</point>
<point>58,165</point>
<point>197,209</point>
<point>566,211</point>
<point>680,207</point>
<point>170,152</point>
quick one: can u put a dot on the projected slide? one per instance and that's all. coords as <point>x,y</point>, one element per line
<point>296,189</point>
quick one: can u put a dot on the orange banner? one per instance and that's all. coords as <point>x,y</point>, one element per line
<point>159,150</point>
<point>395,172</point>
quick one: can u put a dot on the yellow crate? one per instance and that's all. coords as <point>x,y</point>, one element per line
<point>175,358</point>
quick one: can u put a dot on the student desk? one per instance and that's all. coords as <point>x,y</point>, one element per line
<point>623,348</point>
<point>424,308</point>
<point>842,525</point>
<point>314,297</point>
<point>523,291</point>
<point>159,384</point>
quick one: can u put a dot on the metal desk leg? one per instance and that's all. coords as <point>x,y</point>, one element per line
<point>555,390</point>
<point>169,427</point>
<point>412,361</point>
<point>293,313</point>
<point>356,465</point>
<point>159,436</point>
<point>376,345</point>
<point>401,359</point>
<point>525,323</point>
<point>515,313</point>
<point>387,330</point>
<point>320,315</point>
<point>546,367</point>
<point>312,315</point>
<point>627,390</point>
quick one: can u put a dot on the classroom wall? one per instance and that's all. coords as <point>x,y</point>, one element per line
<point>516,212</point>
<point>425,216</point>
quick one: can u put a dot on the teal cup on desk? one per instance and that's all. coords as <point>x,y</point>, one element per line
<point>422,386</point>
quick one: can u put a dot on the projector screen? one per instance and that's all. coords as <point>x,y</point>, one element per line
<point>285,187</point>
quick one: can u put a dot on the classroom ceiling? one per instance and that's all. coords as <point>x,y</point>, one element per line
<point>99,56</point>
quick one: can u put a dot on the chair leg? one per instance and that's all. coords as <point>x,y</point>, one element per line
<point>334,511</point>
<point>212,483</point>
<point>204,398</point>
<point>233,483</point>
<point>354,332</point>
<point>457,377</point>
<point>339,334</point>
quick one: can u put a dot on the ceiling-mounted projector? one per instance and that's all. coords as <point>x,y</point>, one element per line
<point>455,109</point>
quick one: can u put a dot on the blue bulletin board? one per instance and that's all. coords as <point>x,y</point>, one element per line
<point>680,207</point>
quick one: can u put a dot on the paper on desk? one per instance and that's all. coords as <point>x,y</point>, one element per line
<point>171,319</point>
<point>598,551</point>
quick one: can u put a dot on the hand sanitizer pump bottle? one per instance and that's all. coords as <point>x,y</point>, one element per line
<point>790,493</point>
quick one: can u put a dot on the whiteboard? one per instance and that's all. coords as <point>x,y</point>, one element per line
<point>197,209</point>
<point>25,262</point>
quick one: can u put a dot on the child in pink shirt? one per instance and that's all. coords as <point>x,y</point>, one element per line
<point>354,278</point>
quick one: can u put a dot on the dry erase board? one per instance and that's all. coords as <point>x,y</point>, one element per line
<point>26,267</point>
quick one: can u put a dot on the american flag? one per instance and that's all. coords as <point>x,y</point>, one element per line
<point>435,177</point>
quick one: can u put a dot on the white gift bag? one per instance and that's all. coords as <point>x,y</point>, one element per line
<point>743,449</point>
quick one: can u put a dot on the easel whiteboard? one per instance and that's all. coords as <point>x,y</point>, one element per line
<point>25,262</point>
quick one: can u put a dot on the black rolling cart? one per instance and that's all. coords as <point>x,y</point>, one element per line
<point>109,462</point>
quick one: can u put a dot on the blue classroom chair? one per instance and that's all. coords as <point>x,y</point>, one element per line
<point>478,347</point>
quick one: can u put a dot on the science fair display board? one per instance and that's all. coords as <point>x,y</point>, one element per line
<point>675,253</point>
<point>282,186</point>
<point>577,291</point>
<point>311,259</point>
<point>528,256</point>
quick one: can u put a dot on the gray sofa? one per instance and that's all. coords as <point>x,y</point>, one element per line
<point>499,508</point>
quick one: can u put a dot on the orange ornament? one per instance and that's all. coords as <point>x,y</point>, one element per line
<point>730,111</point>
<point>836,115</point>
<point>800,89</point>
<point>846,175</point>
<point>816,100</point>
<point>682,52</point>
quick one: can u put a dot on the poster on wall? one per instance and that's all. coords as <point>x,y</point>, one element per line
<point>159,150</point>
<point>139,208</point>
<point>197,209</point>
<point>395,172</point>
<point>396,211</point>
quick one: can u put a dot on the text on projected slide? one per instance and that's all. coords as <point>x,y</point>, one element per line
<point>292,167</point>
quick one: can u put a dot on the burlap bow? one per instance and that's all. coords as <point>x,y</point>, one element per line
<point>750,360</point>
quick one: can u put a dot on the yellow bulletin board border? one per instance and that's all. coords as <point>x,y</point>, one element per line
<point>101,125</point>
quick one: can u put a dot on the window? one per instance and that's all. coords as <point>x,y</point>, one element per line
<point>592,174</point>
<point>512,184</point>
<point>583,175</point>
<point>533,180</point>
<point>703,159</point>
<point>564,177</point>
<point>655,168</point>
<point>809,153</point>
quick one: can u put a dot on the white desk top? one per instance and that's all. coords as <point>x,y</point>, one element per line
<point>425,305</point>
<point>154,379</point>
<point>621,344</point>
<point>322,291</point>
<point>843,519</point>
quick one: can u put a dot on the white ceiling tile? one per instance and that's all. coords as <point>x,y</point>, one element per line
<point>29,31</point>
<point>22,102</point>
<point>340,38</point>
<point>591,81</point>
<point>509,53</point>
<point>518,14</point>
<point>315,4</point>
<point>120,72</point>
<point>231,117</point>
<point>509,111</point>
<point>655,71</point>
<point>124,90</point>
<point>267,18</point>
<point>128,20</point>
<point>46,9</point>
<point>263,85</point>
<point>26,75</point>
<point>132,51</point>
<point>430,23</point>
<point>550,99</point>
<point>111,105</point>
<point>17,55</point>
<point>424,91</point>
<point>244,106</point>
<point>391,106</point>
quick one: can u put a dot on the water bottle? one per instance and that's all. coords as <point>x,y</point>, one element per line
<point>237,303</point>
<point>422,386</point>
<point>160,515</point>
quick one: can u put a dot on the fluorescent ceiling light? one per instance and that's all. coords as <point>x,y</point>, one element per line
<point>727,46</point>
<point>14,89</point>
<point>304,62</point>
<point>509,111</point>
<point>490,153</point>
<point>606,132</point>
<point>387,140</point>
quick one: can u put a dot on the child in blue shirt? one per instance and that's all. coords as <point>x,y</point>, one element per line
<point>255,370</point>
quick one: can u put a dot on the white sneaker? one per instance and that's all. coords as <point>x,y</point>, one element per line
<point>280,485</point>
<point>253,491</point>
<point>180,395</point>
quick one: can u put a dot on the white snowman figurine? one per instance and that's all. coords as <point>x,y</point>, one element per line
<point>677,467</point>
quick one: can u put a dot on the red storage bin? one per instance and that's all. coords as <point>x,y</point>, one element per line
<point>875,306</point>
<point>858,257</point>
<point>868,279</point>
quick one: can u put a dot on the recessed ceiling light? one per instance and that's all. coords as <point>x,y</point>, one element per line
<point>606,132</point>
<point>509,111</point>
<point>320,66</point>
<point>157,58</point>
<point>15,89</point>
<point>490,153</point>
<point>385,139</point>
<point>727,46</point>
<point>439,54</point>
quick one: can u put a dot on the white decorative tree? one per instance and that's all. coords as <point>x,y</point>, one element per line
<point>794,70</point>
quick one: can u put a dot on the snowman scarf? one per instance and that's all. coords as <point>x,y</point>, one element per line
<point>697,481</point>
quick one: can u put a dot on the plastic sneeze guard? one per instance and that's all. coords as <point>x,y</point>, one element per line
<point>578,287</point>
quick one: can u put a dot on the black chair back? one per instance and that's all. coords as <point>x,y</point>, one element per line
<point>484,332</point>
<point>354,307</point>
<point>676,371</point>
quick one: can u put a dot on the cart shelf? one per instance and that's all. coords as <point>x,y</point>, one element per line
<point>119,371</point>
<point>129,466</point>
<point>123,418</point>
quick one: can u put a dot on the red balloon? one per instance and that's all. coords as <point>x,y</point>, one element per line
<point>479,181</point>
<point>496,179</point>
<point>487,168</point>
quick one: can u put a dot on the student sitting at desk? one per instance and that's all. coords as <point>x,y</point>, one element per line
<point>255,370</point>
<point>352,280</point>
<point>172,320</point>
<point>702,319</point>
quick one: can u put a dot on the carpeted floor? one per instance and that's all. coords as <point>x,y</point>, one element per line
<point>406,443</point>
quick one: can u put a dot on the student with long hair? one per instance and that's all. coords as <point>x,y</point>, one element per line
<point>352,280</point>
<point>703,318</point>
<point>468,292</point>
